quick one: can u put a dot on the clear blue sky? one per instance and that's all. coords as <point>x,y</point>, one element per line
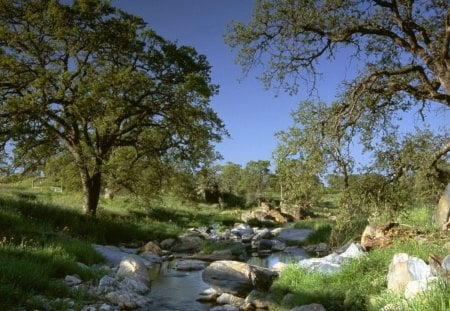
<point>251,114</point>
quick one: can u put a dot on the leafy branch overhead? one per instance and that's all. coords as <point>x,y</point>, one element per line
<point>403,44</point>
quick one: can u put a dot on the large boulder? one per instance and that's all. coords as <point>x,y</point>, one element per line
<point>134,267</point>
<point>376,236</point>
<point>187,244</point>
<point>404,269</point>
<point>151,247</point>
<point>333,262</point>
<point>441,215</point>
<point>237,278</point>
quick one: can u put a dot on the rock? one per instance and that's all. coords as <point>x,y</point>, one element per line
<point>225,308</point>
<point>441,217</point>
<point>404,269</point>
<point>376,236</point>
<point>72,280</point>
<point>416,287</point>
<point>133,266</point>
<point>310,307</point>
<point>319,249</point>
<point>107,281</point>
<point>225,254</point>
<point>105,307</point>
<point>228,299</point>
<point>131,284</point>
<point>294,236</point>
<point>151,258</point>
<point>127,300</point>
<point>189,265</point>
<point>262,234</point>
<point>440,267</point>
<point>257,299</point>
<point>278,246</point>
<point>242,229</point>
<point>208,295</point>
<point>333,262</point>
<point>151,247</point>
<point>264,244</point>
<point>237,278</point>
<point>187,244</point>
<point>167,243</point>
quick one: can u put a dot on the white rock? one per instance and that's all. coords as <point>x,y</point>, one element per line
<point>404,269</point>
<point>416,287</point>
<point>225,308</point>
<point>133,266</point>
<point>72,280</point>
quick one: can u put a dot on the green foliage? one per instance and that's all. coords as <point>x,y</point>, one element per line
<point>88,78</point>
<point>255,181</point>
<point>43,235</point>
<point>357,285</point>
<point>321,230</point>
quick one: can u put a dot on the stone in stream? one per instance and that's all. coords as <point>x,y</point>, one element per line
<point>237,278</point>
<point>133,266</point>
<point>112,254</point>
<point>187,244</point>
<point>189,265</point>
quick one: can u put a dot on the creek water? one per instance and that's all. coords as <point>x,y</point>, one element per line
<point>174,290</point>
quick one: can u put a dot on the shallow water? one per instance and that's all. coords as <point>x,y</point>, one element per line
<point>176,291</point>
<point>271,260</point>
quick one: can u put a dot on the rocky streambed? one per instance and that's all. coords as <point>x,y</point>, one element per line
<point>173,275</point>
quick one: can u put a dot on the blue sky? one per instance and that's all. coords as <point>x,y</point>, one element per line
<point>251,114</point>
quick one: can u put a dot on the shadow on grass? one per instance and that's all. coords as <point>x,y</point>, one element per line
<point>29,219</point>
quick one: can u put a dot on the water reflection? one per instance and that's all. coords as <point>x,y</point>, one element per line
<point>176,291</point>
<point>271,260</point>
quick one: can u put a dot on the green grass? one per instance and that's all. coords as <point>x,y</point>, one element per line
<point>44,234</point>
<point>360,285</point>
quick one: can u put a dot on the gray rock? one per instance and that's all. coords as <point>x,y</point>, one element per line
<point>237,278</point>
<point>189,265</point>
<point>278,246</point>
<point>262,234</point>
<point>187,244</point>
<point>130,284</point>
<point>257,299</point>
<point>446,263</point>
<point>241,230</point>
<point>225,254</point>
<point>134,267</point>
<point>72,280</point>
<point>225,308</point>
<point>167,243</point>
<point>310,307</point>
<point>296,236</point>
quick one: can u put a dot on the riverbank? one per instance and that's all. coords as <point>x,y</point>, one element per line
<point>44,238</point>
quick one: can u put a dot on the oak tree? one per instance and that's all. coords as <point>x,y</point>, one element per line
<point>90,78</point>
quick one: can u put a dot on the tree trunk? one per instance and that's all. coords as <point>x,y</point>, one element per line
<point>91,192</point>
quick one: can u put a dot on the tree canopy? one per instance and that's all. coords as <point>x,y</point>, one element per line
<point>404,45</point>
<point>92,79</point>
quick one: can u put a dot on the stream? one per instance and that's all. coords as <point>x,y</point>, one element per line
<point>174,290</point>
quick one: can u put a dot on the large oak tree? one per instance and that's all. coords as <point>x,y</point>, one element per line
<point>90,78</point>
